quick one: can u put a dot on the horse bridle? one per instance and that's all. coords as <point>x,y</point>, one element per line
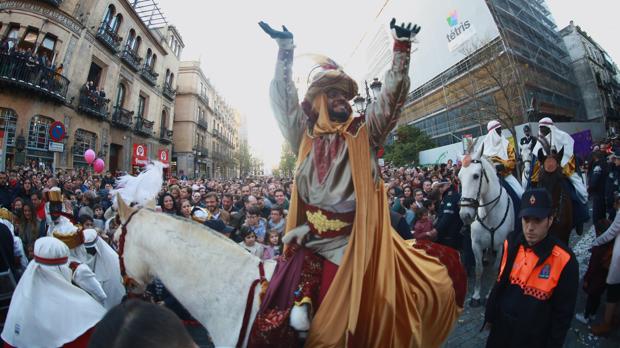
<point>127,280</point>
<point>475,203</point>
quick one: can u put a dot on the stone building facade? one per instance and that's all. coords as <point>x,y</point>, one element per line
<point>206,128</point>
<point>98,68</point>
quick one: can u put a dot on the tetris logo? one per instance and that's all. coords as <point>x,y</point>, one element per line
<point>453,18</point>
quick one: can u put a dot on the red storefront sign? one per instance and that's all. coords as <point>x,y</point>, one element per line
<point>163,156</point>
<point>139,156</point>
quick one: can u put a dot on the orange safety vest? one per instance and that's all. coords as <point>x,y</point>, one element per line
<point>536,280</point>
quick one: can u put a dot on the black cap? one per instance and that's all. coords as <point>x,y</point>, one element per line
<point>535,203</point>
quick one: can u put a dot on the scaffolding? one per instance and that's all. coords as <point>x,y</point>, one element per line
<point>150,13</point>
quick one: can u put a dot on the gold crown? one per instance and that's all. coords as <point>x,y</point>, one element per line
<point>71,240</point>
<point>54,196</point>
<point>6,215</point>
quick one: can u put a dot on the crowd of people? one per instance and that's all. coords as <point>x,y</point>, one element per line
<point>424,204</point>
<point>36,68</point>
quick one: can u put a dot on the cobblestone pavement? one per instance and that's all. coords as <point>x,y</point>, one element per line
<point>467,333</point>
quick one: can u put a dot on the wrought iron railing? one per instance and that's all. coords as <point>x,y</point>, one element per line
<point>94,105</point>
<point>54,3</point>
<point>165,135</point>
<point>122,117</point>
<point>168,91</point>
<point>131,58</point>
<point>203,123</point>
<point>108,37</point>
<point>143,126</point>
<point>204,152</point>
<point>149,75</point>
<point>22,71</point>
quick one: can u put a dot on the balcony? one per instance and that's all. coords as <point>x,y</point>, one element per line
<point>168,91</point>
<point>202,151</point>
<point>109,38</point>
<point>93,105</point>
<point>17,72</point>
<point>203,123</point>
<point>131,59</point>
<point>121,118</point>
<point>165,136</point>
<point>149,75</point>
<point>55,3</point>
<point>143,126</point>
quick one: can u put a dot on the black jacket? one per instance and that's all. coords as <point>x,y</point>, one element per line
<point>522,320</point>
<point>449,222</point>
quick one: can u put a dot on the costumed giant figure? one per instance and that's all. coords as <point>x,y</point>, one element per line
<point>344,266</point>
<point>558,140</point>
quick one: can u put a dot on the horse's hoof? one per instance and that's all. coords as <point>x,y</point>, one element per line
<point>475,302</point>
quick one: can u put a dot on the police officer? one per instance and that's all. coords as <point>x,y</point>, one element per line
<point>528,135</point>
<point>533,300</point>
<point>612,186</point>
<point>449,222</point>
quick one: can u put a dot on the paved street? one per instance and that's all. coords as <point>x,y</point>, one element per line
<point>467,333</point>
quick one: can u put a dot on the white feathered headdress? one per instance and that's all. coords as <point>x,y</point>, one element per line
<point>142,188</point>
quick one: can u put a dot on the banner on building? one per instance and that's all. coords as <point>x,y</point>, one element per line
<point>583,144</point>
<point>139,156</point>
<point>2,150</point>
<point>164,157</point>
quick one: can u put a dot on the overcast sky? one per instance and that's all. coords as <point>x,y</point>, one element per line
<point>239,58</point>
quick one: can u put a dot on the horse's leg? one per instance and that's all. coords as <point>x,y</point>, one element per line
<point>477,247</point>
<point>499,250</point>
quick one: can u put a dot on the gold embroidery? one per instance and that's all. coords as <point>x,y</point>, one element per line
<point>322,224</point>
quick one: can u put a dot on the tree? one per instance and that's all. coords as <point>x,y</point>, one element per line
<point>410,140</point>
<point>287,161</point>
<point>244,158</point>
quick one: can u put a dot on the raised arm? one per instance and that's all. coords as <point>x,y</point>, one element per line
<point>383,113</point>
<point>283,94</point>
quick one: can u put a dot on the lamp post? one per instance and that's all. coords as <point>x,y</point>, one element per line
<point>361,103</point>
<point>20,146</point>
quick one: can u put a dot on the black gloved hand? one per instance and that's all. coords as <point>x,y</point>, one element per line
<point>402,32</point>
<point>275,34</point>
<point>500,168</point>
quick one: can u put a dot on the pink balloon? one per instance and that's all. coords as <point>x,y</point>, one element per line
<point>89,156</point>
<point>99,165</point>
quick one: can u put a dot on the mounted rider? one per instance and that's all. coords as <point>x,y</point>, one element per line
<point>558,140</point>
<point>501,153</point>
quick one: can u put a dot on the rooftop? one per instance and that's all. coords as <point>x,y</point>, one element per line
<point>149,12</point>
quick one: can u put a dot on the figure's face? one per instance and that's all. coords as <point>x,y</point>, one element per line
<point>419,196</point>
<point>545,130</point>
<point>275,216</point>
<point>535,229</point>
<point>88,224</point>
<point>186,209</point>
<point>498,130</point>
<point>273,239</point>
<point>251,219</point>
<point>245,190</point>
<point>280,198</point>
<point>211,204</point>
<point>35,200</point>
<point>168,203</point>
<point>226,202</point>
<point>338,105</point>
<point>426,186</point>
<point>250,239</point>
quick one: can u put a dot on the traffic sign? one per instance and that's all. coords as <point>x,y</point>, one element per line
<point>56,147</point>
<point>57,131</point>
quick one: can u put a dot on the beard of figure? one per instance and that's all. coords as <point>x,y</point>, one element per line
<point>340,116</point>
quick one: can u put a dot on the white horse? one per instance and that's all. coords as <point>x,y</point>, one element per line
<point>487,207</point>
<point>526,152</point>
<point>208,273</point>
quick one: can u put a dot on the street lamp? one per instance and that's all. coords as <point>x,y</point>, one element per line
<point>360,103</point>
<point>375,87</point>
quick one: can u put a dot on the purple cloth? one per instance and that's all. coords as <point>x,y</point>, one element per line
<point>583,144</point>
<point>284,282</point>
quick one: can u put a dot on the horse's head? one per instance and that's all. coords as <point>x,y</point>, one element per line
<point>551,162</point>
<point>136,273</point>
<point>475,175</point>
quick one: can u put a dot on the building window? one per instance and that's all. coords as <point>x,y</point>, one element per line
<point>94,74</point>
<point>38,132</point>
<point>109,15</point>
<point>120,95</point>
<point>116,23</point>
<point>136,45</point>
<point>131,38</point>
<point>8,122</point>
<point>12,36</point>
<point>141,106</point>
<point>84,140</point>
<point>48,46</point>
<point>30,39</point>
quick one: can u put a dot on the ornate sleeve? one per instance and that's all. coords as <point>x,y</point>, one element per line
<point>284,100</point>
<point>383,113</point>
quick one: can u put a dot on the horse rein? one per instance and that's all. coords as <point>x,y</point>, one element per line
<point>127,281</point>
